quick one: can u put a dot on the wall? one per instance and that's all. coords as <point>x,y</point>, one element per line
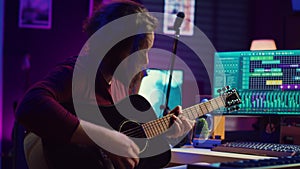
<point>1,71</point>
<point>225,25</point>
<point>47,47</point>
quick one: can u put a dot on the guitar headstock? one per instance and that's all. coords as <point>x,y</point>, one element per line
<point>231,98</point>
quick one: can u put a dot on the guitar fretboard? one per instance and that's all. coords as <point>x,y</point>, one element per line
<point>159,126</point>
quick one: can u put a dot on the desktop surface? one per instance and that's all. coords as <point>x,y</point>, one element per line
<point>190,155</point>
<point>196,158</point>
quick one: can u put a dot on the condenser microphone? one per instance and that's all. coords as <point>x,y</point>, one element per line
<point>178,20</point>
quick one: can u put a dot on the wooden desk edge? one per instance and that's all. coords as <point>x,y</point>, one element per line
<point>195,155</point>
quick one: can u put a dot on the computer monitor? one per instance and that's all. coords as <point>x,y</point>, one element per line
<point>154,89</point>
<point>268,81</point>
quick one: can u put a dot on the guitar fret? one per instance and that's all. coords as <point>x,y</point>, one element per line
<point>205,108</point>
<point>166,122</point>
<point>160,126</point>
<point>223,101</point>
<point>149,134</point>
<point>194,111</point>
<point>146,130</point>
<point>155,128</point>
<point>214,106</point>
<point>200,111</point>
<point>210,108</point>
<point>150,130</point>
<point>188,113</point>
<point>217,102</point>
<point>197,112</point>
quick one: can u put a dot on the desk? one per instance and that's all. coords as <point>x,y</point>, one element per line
<point>189,155</point>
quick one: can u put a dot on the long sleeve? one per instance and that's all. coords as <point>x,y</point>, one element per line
<point>46,107</point>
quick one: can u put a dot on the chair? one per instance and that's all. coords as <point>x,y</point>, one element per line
<point>34,154</point>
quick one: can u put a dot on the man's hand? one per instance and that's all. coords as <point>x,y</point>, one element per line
<point>128,151</point>
<point>120,162</point>
<point>122,151</point>
<point>181,125</point>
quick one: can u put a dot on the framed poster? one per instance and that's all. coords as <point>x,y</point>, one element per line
<point>172,7</point>
<point>35,14</point>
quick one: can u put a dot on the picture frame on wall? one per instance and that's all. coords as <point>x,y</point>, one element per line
<point>35,14</point>
<point>171,9</point>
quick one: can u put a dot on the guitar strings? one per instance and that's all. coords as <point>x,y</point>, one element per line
<point>158,126</point>
<point>150,126</point>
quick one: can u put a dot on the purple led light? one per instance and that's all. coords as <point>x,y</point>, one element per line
<point>290,86</point>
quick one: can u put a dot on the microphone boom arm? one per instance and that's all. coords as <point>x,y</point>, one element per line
<point>177,24</point>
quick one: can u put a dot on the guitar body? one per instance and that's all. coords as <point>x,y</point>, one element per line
<point>134,117</point>
<point>131,113</point>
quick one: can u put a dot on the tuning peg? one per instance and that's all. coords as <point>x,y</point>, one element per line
<point>236,108</point>
<point>224,89</point>
<point>231,109</point>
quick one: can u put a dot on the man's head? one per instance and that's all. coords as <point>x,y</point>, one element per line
<point>115,9</point>
<point>140,42</point>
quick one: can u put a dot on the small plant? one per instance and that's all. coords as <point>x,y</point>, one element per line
<point>201,130</point>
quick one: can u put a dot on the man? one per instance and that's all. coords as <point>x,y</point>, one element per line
<point>47,108</point>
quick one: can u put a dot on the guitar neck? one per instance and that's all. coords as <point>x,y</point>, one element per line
<point>159,126</point>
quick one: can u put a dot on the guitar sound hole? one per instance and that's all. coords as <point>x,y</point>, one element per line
<point>136,132</point>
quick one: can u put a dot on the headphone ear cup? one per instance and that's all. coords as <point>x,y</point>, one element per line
<point>210,122</point>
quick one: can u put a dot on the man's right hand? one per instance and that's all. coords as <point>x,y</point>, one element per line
<point>121,162</point>
<point>128,151</point>
<point>122,151</point>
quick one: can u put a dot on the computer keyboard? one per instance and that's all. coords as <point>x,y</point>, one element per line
<point>291,162</point>
<point>258,148</point>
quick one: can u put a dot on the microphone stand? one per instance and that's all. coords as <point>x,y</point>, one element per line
<point>178,22</point>
<point>177,34</point>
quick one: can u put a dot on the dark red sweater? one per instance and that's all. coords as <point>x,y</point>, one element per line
<point>47,107</point>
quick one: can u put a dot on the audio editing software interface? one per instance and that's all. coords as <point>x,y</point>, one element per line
<point>267,81</point>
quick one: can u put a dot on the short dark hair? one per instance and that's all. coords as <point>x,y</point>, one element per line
<point>115,10</point>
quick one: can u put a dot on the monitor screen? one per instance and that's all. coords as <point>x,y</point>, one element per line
<point>268,81</point>
<point>154,89</point>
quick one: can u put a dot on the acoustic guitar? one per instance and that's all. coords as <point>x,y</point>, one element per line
<point>139,122</point>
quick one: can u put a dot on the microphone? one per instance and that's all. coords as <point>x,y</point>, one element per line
<point>178,20</point>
